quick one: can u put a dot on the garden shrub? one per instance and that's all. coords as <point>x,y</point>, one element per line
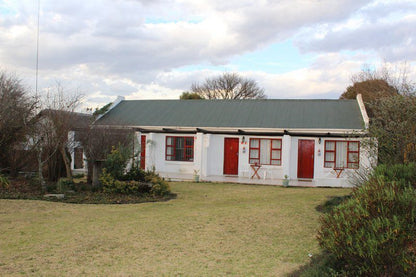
<point>160,186</point>
<point>135,173</point>
<point>111,185</point>
<point>373,233</point>
<point>4,182</point>
<point>65,184</point>
<point>405,173</point>
<point>116,161</point>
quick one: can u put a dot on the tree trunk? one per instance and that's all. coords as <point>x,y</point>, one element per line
<point>67,162</point>
<point>90,170</point>
<point>40,171</point>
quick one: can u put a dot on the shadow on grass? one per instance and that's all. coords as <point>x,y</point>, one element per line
<point>331,203</point>
<point>89,197</point>
<point>321,265</point>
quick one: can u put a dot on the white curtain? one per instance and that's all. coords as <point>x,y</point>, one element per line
<point>341,156</point>
<point>265,151</point>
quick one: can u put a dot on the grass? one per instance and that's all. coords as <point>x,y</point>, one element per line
<point>209,229</point>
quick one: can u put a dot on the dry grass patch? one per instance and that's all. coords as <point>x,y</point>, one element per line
<point>209,229</point>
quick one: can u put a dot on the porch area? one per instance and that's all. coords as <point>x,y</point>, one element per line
<point>239,180</point>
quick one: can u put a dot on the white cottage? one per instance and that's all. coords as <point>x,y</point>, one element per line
<point>312,142</point>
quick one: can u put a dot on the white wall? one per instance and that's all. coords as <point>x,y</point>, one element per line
<point>155,155</point>
<point>209,159</point>
<point>326,176</point>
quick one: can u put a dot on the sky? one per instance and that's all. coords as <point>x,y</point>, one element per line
<point>156,49</point>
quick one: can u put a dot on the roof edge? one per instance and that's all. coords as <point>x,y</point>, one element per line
<point>363,110</point>
<point>115,103</point>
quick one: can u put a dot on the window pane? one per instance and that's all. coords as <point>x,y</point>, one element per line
<point>276,154</point>
<point>276,143</point>
<point>329,164</point>
<point>179,148</point>
<point>254,143</point>
<point>353,146</point>
<point>276,162</point>
<point>330,145</point>
<point>254,153</point>
<point>254,161</point>
<point>330,156</point>
<point>189,141</point>
<point>179,145</point>
<point>353,165</point>
<point>353,157</point>
<point>189,154</point>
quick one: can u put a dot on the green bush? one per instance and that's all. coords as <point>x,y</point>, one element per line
<point>373,233</point>
<point>405,173</point>
<point>4,182</point>
<point>160,186</point>
<point>64,184</point>
<point>152,184</point>
<point>135,173</point>
<point>116,161</point>
<point>111,185</point>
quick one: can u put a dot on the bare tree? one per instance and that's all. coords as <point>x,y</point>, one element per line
<point>390,99</point>
<point>99,140</point>
<point>375,84</point>
<point>53,125</point>
<point>16,112</point>
<point>44,144</point>
<point>229,86</point>
<point>396,77</point>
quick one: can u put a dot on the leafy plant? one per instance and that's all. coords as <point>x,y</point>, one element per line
<point>405,173</point>
<point>111,185</point>
<point>160,187</point>
<point>4,182</point>
<point>373,233</point>
<point>116,161</point>
<point>135,173</point>
<point>64,184</point>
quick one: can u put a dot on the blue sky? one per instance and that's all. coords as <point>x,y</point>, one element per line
<point>143,49</point>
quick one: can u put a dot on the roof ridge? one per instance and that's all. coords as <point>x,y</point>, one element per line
<point>239,100</point>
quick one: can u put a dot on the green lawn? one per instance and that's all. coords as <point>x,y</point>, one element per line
<point>208,230</point>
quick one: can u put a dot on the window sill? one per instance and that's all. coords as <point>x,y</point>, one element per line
<point>179,162</point>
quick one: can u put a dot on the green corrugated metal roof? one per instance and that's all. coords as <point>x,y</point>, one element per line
<point>268,113</point>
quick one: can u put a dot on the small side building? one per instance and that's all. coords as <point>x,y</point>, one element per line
<point>311,142</point>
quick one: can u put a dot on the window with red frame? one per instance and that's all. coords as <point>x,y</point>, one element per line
<point>265,151</point>
<point>180,149</point>
<point>342,154</point>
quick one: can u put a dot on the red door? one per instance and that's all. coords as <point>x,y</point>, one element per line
<point>231,156</point>
<point>306,150</point>
<point>143,152</point>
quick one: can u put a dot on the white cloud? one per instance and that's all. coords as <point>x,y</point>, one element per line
<point>137,48</point>
<point>390,34</point>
